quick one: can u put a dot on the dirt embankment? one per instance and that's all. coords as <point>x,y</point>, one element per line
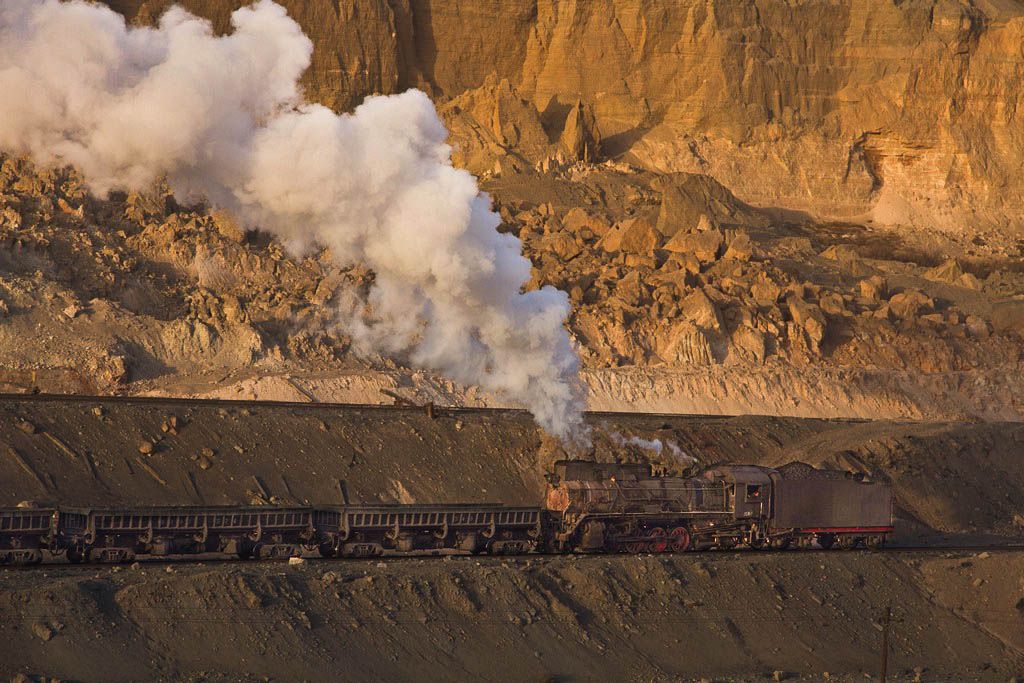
<point>953,481</point>
<point>719,616</point>
<point>723,617</point>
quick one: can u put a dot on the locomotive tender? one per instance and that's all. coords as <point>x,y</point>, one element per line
<point>589,507</point>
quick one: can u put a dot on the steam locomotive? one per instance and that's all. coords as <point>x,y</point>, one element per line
<point>590,507</point>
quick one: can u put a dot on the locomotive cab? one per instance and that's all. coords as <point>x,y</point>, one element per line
<point>749,489</point>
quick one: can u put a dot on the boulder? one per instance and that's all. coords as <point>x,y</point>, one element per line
<point>840,252</point>
<point>679,279</point>
<point>908,305</point>
<point>969,281</point>
<point>680,212</point>
<point>631,290</point>
<point>976,327</point>
<point>705,246</point>
<point>493,122</point>
<point>639,262</point>
<point>228,226</point>
<point>700,310</point>
<point>578,220</point>
<point>808,317</point>
<point>740,248</point>
<point>948,272</point>
<point>884,312</point>
<point>874,288</point>
<point>687,262</point>
<point>580,140</point>
<point>107,369</point>
<point>696,202</point>
<point>633,236</point>
<point>832,304</point>
<point>562,245</point>
<point>765,292</point>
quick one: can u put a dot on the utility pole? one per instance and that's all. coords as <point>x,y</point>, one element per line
<point>886,620</point>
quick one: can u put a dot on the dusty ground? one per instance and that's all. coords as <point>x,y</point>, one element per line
<point>714,616</point>
<point>719,616</point>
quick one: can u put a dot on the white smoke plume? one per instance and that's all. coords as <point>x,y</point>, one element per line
<point>221,117</point>
<point>656,446</point>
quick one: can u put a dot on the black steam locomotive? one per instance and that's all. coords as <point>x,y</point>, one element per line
<point>590,507</point>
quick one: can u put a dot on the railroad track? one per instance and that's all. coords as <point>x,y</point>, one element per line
<point>376,407</point>
<point>736,554</point>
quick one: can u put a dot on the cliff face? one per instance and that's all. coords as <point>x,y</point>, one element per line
<point>654,159</point>
<point>904,113</point>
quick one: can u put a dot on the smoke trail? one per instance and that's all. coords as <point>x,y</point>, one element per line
<point>655,446</point>
<point>222,118</point>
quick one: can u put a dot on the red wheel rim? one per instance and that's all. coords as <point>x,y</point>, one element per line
<point>680,538</point>
<point>659,540</point>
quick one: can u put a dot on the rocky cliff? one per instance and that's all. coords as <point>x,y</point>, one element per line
<point>900,113</point>
<point>780,208</point>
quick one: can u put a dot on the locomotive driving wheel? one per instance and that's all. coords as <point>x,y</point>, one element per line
<point>679,539</point>
<point>659,540</point>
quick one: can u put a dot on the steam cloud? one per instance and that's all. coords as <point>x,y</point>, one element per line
<point>222,118</point>
<point>655,446</point>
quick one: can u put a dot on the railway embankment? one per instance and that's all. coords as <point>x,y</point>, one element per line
<point>954,482</point>
<point>739,616</point>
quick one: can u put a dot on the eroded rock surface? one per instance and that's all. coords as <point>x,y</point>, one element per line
<point>679,171</point>
<point>905,112</point>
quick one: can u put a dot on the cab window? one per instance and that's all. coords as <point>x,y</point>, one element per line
<point>753,493</point>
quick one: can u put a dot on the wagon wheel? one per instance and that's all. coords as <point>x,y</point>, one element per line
<point>328,549</point>
<point>875,542</point>
<point>659,540</point>
<point>826,541</point>
<point>680,539</point>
